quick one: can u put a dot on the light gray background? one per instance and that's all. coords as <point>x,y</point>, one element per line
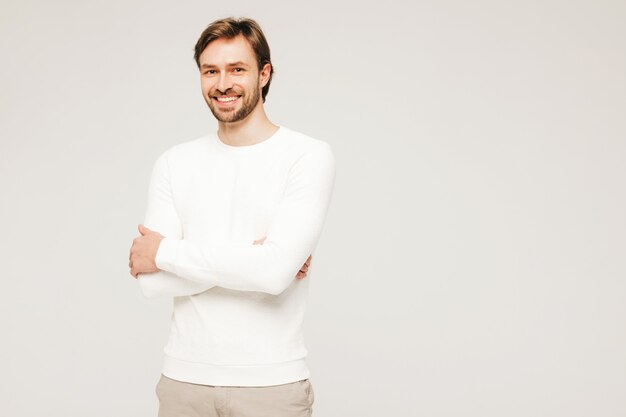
<point>472,262</point>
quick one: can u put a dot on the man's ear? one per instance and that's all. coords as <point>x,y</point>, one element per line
<point>265,74</point>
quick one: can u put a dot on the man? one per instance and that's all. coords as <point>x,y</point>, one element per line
<point>233,219</point>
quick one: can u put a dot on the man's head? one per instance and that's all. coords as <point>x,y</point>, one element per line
<point>234,62</point>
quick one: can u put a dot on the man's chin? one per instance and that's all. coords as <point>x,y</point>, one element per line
<point>222,116</point>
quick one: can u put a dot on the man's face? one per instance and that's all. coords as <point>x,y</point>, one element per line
<point>230,80</point>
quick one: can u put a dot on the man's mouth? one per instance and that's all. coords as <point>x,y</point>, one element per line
<point>226,100</point>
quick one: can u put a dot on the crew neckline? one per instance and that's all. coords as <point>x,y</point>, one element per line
<point>244,149</point>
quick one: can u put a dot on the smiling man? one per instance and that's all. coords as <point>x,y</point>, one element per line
<point>233,219</point>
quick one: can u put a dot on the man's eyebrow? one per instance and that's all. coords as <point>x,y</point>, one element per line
<point>232,64</point>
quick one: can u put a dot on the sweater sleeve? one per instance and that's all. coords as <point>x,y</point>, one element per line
<point>292,235</point>
<point>161,216</point>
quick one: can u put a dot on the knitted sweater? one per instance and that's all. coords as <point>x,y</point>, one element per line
<point>238,308</point>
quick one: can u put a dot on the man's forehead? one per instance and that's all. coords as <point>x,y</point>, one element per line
<point>227,52</point>
<point>208,64</point>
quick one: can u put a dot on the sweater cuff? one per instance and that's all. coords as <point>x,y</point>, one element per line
<point>165,258</point>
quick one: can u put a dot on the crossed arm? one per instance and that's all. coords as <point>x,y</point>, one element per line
<point>164,283</point>
<point>269,265</point>
<point>161,216</point>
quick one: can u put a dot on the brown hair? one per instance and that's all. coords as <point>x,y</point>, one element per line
<point>231,27</point>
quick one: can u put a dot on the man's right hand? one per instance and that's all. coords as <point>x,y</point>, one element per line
<point>302,272</point>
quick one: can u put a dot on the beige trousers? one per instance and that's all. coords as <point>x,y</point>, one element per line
<point>184,399</point>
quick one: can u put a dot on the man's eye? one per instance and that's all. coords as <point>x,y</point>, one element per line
<point>238,69</point>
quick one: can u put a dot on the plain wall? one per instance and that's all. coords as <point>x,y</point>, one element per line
<point>473,259</point>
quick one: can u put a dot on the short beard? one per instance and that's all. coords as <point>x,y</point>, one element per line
<point>246,108</point>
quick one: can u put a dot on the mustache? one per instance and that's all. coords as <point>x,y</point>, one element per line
<point>228,92</point>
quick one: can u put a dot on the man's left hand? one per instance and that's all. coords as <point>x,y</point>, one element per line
<point>143,252</point>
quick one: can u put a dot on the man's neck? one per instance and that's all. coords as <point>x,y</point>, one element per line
<point>246,132</point>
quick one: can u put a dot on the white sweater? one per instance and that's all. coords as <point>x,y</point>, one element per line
<point>238,308</point>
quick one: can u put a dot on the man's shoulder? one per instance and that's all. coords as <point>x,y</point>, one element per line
<point>185,150</point>
<point>309,153</point>
<point>304,142</point>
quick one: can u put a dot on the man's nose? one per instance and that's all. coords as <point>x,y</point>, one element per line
<point>224,83</point>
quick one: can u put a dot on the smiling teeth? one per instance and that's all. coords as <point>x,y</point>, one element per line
<point>227,99</point>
